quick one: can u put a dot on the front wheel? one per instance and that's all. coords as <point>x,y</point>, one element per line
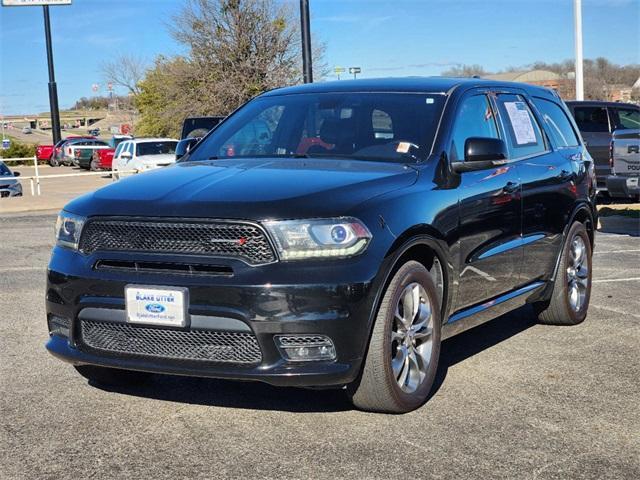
<point>54,162</point>
<point>112,376</point>
<point>402,359</point>
<point>572,285</point>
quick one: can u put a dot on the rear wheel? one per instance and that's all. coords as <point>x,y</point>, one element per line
<point>112,376</point>
<point>402,358</point>
<point>54,162</point>
<point>572,286</point>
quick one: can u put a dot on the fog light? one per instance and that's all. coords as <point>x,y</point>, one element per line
<point>59,325</point>
<point>305,348</point>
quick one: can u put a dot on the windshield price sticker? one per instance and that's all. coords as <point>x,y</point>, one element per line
<point>521,122</point>
<point>156,305</point>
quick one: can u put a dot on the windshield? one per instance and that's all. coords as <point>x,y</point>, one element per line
<point>155,148</point>
<point>4,170</point>
<point>360,126</point>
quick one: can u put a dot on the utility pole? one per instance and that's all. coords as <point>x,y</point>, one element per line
<point>577,26</point>
<point>305,29</point>
<point>53,90</point>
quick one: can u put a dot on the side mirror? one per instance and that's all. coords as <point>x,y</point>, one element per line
<point>126,156</point>
<point>184,146</point>
<point>16,174</point>
<point>481,153</point>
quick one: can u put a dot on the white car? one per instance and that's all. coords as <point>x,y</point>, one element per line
<point>143,154</point>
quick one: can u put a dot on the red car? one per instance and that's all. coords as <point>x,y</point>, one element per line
<point>45,153</point>
<point>103,158</point>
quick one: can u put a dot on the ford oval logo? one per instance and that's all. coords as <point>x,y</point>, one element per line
<point>155,308</point>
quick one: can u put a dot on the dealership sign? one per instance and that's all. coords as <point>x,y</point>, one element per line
<point>31,3</point>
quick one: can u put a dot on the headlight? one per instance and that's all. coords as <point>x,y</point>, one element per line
<point>324,238</point>
<point>68,230</point>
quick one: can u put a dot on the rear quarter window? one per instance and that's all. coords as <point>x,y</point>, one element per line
<point>557,123</point>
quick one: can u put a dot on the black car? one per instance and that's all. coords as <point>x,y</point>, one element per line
<point>331,235</point>
<point>597,121</point>
<point>10,186</point>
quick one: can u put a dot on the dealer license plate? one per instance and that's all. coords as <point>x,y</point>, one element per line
<point>152,305</point>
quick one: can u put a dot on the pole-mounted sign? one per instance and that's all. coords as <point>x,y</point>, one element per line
<point>53,89</point>
<point>354,71</point>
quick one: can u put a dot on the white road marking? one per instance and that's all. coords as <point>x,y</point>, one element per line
<point>614,310</point>
<point>611,280</point>
<point>22,269</point>
<point>618,251</point>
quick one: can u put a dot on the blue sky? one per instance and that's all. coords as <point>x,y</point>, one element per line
<point>384,38</point>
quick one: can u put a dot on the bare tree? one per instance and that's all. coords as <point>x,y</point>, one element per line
<point>126,71</point>
<point>465,71</point>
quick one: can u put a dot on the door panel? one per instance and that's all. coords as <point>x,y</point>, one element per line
<point>548,191</point>
<point>489,212</point>
<point>490,249</point>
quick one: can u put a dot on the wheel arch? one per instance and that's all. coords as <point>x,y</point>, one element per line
<point>584,214</point>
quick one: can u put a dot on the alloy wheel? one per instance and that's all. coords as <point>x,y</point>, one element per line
<point>411,338</point>
<point>577,274</point>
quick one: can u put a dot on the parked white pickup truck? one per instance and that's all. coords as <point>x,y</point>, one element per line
<point>625,164</point>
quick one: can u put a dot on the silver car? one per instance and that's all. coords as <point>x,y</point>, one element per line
<point>10,186</point>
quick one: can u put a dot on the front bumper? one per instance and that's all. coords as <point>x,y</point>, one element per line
<point>320,299</point>
<point>623,186</point>
<point>15,191</point>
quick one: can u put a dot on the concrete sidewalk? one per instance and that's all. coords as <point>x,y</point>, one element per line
<point>55,192</point>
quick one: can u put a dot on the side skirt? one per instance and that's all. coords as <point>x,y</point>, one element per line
<point>479,314</point>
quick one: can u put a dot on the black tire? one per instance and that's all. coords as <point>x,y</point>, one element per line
<point>93,166</point>
<point>112,376</point>
<point>377,389</point>
<point>54,162</point>
<point>558,309</point>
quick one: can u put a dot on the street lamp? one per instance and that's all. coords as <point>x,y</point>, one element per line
<point>577,26</point>
<point>305,30</point>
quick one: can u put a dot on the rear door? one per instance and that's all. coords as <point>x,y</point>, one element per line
<point>549,164</point>
<point>489,210</point>
<point>595,124</point>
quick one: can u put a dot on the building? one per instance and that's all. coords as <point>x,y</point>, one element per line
<point>544,78</point>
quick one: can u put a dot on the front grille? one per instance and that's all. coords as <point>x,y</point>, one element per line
<point>244,241</point>
<point>203,345</point>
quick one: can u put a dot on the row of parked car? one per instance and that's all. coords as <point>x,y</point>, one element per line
<point>124,152</point>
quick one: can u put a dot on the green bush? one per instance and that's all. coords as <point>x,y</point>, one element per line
<point>18,150</point>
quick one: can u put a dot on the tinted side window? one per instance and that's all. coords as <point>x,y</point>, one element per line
<point>475,118</point>
<point>591,119</point>
<point>558,125</point>
<point>628,118</point>
<point>523,132</point>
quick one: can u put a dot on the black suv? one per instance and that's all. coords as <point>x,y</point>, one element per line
<point>331,235</point>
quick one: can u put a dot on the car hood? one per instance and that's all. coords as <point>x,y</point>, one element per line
<point>253,189</point>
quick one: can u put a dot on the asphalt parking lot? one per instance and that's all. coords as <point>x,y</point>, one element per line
<point>513,400</point>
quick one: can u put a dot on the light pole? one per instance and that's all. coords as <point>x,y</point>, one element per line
<point>53,90</point>
<point>577,24</point>
<point>305,30</point>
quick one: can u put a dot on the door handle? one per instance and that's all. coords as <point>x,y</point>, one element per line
<point>511,187</point>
